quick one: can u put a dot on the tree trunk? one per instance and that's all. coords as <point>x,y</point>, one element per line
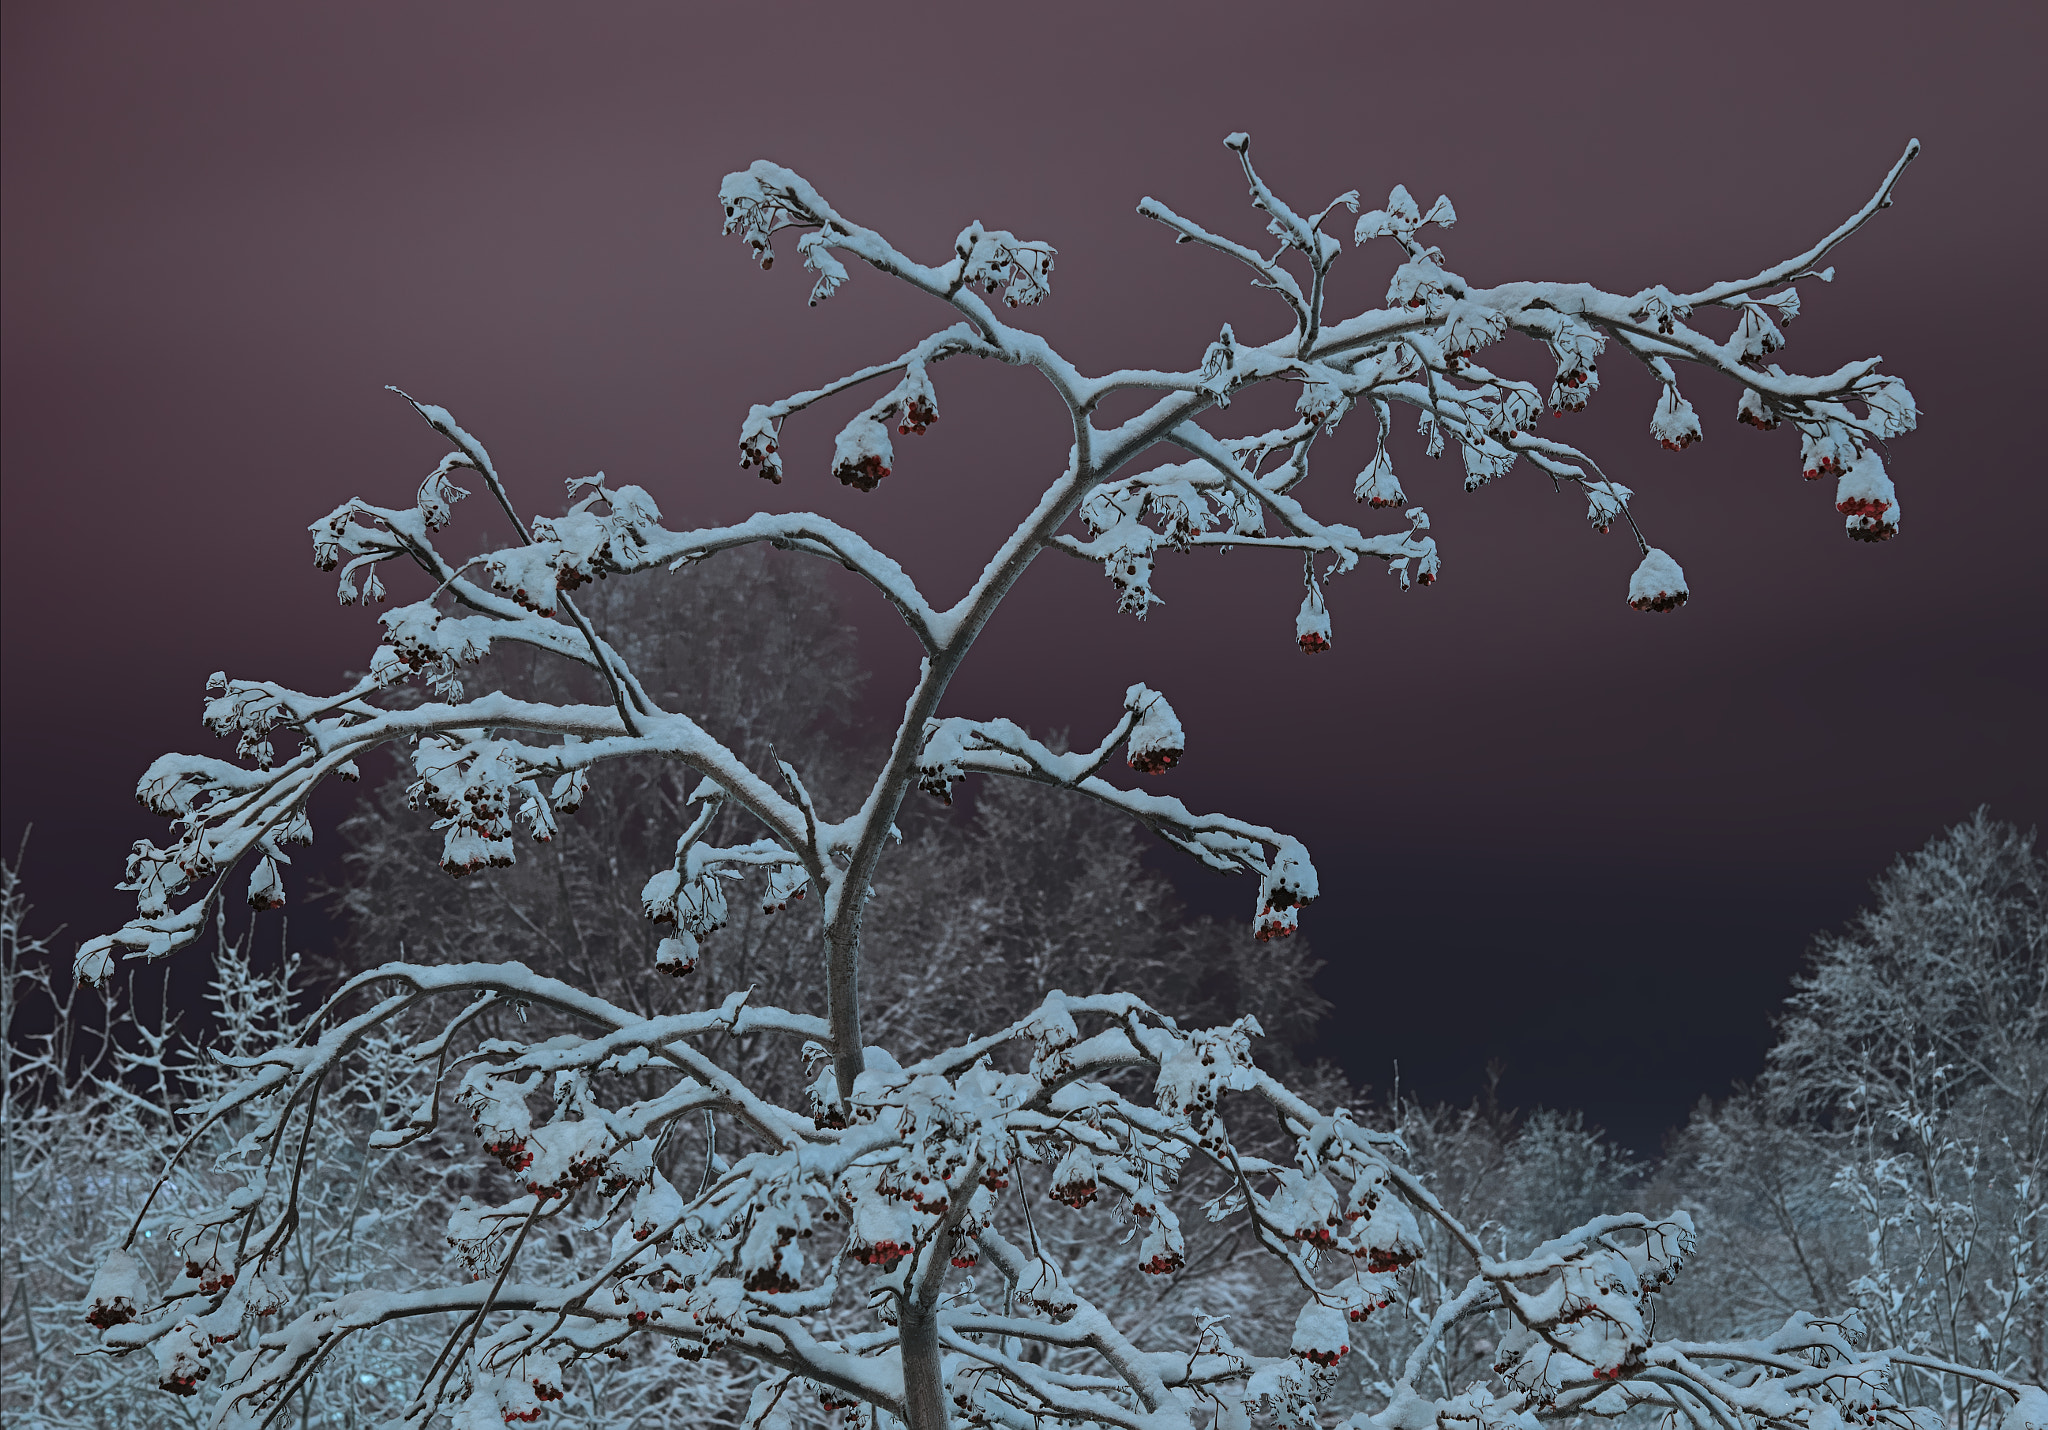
<point>924,1388</point>
<point>842,1006</point>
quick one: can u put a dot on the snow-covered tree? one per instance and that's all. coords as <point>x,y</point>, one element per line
<point>876,1248</point>
<point>1895,1155</point>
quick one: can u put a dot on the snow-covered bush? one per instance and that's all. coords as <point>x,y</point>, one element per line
<point>874,1247</point>
<point>88,1122</point>
<point>73,1141</point>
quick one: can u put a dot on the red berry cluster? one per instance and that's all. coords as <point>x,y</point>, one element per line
<point>107,1314</point>
<point>1076,1194</point>
<point>1863,506</point>
<point>1155,762</point>
<point>917,414</point>
<point>884,1254</point>
<point>770,1278</point>
<point>1380,1258</point>
<point>210,1274</point>
<point>865,474</point>
<point>512,1152</point>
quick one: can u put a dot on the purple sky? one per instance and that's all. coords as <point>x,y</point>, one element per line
<point>227,226</point>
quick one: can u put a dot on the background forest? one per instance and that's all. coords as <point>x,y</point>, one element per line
<point>1886,1163</point>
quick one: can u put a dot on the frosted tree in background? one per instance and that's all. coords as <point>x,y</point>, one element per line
<point>1894,1156</point>
<point>875,1251</point>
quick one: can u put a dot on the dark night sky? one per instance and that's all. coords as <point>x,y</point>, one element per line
<point>1588,842</point>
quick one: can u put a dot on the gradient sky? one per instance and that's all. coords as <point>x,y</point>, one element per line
<point>1587,842</point>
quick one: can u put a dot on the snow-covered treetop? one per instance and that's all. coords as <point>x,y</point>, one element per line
<point>912,1162</point>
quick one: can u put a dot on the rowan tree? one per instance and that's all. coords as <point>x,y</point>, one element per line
<point>874,1248</point>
